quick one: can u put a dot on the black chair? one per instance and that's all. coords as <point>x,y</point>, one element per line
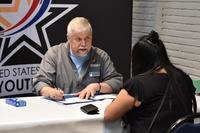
<point>186,124</point>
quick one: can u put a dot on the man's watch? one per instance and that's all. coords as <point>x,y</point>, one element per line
<point>98,91</point>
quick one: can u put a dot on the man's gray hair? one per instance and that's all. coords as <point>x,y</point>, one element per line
<point>78,24</point>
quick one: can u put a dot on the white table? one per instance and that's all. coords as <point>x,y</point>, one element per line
<point>45,116</point>
<point>198,103</point>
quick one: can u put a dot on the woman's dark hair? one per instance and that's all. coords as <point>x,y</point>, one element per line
<point>149,55</point>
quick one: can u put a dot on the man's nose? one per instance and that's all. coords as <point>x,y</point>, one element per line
<point>83,42</point>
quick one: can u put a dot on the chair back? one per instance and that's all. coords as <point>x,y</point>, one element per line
<point>186,124</point>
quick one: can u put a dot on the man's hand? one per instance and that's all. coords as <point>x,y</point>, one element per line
<point>89,91</point>
<point>53,93</point>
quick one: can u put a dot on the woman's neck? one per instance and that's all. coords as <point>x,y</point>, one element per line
<point>162,70</point>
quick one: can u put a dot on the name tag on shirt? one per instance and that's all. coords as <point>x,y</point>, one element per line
<point>94,74</point>
<point>94,70</point>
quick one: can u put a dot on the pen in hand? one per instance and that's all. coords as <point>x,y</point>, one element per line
<point>58,94</point>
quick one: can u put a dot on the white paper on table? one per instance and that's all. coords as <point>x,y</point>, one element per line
<point>71,99</point>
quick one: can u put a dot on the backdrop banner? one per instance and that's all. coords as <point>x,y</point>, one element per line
<point>29,27</point>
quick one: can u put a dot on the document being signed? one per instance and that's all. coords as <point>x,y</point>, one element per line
<point>72,99</point>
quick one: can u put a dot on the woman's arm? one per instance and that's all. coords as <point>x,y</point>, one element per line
<point>120,106</point>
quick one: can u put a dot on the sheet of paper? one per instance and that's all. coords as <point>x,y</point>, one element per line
<point>71,99</point>
<point>104,96</point>
<point>74,100</point>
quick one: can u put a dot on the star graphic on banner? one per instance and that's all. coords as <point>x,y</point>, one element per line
<point>11,45</point>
